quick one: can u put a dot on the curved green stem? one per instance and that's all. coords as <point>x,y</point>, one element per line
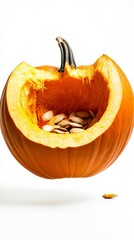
<point>66,54</point>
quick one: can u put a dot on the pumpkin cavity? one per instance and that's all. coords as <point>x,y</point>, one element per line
<point>65,96</point>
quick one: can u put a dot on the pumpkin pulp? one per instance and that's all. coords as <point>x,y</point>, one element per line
<point>36,90</point>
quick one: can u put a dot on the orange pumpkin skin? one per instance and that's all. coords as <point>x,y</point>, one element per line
<point>83,160</point>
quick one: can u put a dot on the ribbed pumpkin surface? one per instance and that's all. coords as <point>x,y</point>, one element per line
<point>30,92</point>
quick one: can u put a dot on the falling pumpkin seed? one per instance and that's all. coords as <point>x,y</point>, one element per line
<point>109,195</point>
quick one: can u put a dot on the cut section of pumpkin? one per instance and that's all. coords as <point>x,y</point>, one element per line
<point>101,88</point>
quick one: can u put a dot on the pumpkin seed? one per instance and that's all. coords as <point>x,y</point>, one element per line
<point>85,122</point>
<point>92,113</point>
<point>85,127</point>
<point>74,123</point>
<point>67,126</point>
<point>72,115</point>
<point>93,121</point>
<point>83,114</point>
<point>76,130</point>
<point>48,128</point>
<point>59,131</point>
<point>59,117</point>
<point>60,128</point>
<point>109,195</point>
<point>64,122</point>
<point>47,115</point>
<point>76,119</point>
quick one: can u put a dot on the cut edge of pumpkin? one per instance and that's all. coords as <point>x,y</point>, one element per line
<point>30,130</point>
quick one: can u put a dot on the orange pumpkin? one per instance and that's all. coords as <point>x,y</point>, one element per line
<point>31,91</point>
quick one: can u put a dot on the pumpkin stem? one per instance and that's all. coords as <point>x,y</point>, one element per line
<point>66,54</point>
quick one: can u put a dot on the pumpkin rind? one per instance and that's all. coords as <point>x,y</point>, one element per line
<point>76,155</point>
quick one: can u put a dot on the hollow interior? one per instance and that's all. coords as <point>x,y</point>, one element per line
<point>65,96</point>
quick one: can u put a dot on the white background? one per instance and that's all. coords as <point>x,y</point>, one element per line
<point>67,209</point>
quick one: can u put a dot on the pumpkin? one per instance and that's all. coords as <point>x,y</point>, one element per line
<point>31,91</point>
